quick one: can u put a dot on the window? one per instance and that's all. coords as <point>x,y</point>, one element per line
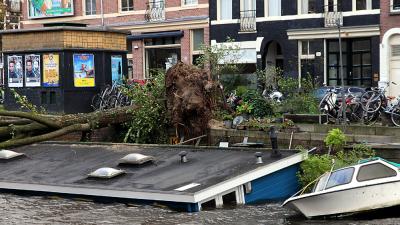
<point>274,8</point>
<point>198,39</point>
<point>395,5</point>
<point>362,4</point>
<point>247,5</point>
<point>357,62</point>
<point>90,7</point>
<point>190,2</point>
<point>333,6</point>
<point>340,177</point>
<point>307,58</point>
<point>308,6</point>
<point>126,5</point>
<point>374,171</point>
<point>197,43</point>
<point>225,9</point>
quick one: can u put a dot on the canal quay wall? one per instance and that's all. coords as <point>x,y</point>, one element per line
<point>309,135</point>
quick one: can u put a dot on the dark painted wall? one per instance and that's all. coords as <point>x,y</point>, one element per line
<point>69,99</point>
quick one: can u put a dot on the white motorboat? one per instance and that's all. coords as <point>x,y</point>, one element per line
<point>371,184</point>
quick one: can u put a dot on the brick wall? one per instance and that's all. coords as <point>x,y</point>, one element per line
<point>112,14</point>
<point>388,20</point>
<point>138,59</point>
<point>63,39</point>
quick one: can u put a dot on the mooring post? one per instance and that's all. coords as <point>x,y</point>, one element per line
<point>274,142</point>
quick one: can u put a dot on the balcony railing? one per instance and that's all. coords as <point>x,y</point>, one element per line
<point>155,11</point>
<point>248,20</point>
<point>333,19</point>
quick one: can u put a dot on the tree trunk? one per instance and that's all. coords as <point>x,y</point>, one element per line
<point>46,127</point>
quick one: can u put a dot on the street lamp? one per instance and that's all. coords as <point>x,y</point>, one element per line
<point>335,19</point>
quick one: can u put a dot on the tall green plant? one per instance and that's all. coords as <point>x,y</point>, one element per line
<point>316,165</point>
<point>149,123</point>
<point>220,59</point>
<point>335,139</point>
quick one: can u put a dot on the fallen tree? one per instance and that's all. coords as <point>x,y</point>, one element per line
<point>47,127</point>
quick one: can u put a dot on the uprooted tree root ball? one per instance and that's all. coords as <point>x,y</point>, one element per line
<point>189,99</point>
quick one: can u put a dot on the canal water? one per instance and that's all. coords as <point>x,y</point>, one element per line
<point>20,210</point>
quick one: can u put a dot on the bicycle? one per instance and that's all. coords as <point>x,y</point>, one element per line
<point>331,105</point>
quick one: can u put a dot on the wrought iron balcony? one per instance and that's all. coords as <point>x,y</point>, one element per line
<point>333,19</point>
<point>155,11</point>
<point>248,20</point>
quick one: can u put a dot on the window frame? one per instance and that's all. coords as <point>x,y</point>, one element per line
<point>300,8</point>
<point>219,2</point>
<point>335,6</point>
<point>350,180</point>
<point>266,9</point>
<point>85,12</point>
<point>378,163</point>
<point>195,52</point>
<point>392,9</point>
<point>368,5</point>
<point>189,5</point>
<point>129,10</point>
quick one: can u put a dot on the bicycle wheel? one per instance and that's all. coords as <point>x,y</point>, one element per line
<point>370,118</point>
<point>354,112</point>
<point>96,102</point>
<point>395,115</point>
<point>371,101</point>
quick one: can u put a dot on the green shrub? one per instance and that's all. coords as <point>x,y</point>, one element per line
<point>335,139</point>
<point>316,165</point>
<point>313,167</point>
<point>149,122</point>
<point>301,103</point>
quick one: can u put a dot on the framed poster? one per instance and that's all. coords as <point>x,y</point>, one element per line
<point>84,72</point>
<point>50,8</point>
<point>32,71</point>
<point>116,68</point>
<point>51,74</point>
<point>15,73</point>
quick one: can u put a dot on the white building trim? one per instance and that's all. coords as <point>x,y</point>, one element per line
<point>385,56</point>
<point>298,17</point>
<point>323,33</point>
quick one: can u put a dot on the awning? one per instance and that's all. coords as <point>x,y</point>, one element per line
<point>155,35</point>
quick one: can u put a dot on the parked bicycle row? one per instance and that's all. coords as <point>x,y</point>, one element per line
<point>110,97</point>
<point>360,106</point>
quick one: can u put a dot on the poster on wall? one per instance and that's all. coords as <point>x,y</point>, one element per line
<point>15,73</point>
<point>32,70</point>
<point>84,70</point>
<point>50,8</point>
<point>51,77</point>
<point>116,68</point>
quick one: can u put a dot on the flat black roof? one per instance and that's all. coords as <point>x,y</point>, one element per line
<point>68,165</point>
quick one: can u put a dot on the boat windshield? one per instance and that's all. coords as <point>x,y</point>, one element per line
<point>321,183</point>
<point>340,177</point>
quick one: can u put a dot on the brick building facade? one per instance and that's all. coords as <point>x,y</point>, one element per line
<point>390,45</point>
<point>162,31</point>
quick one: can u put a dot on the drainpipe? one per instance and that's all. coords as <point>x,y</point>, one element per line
<point>102,13</point>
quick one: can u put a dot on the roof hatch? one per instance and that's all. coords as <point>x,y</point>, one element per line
<point>106,173</point>
<point>136,159</point>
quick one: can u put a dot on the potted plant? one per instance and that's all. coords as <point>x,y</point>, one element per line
<point>244,109</point>
<point>254,124</point>
<point>289,126</point>
<point>228,120</point>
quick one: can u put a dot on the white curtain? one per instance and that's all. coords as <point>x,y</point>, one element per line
<point>226,9</point>
<point>304,6</point>
<point>274,7</point>
<point>249,5</point>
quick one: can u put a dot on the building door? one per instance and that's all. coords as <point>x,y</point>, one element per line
<point>395,70</point>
